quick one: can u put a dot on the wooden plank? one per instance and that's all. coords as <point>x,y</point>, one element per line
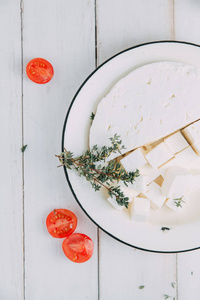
<point>187,21</point>
<point>187,28</point>
<point>11,222</point>
<point>121,24</point>
<point>188,275</point>
<point>125,270</point>
<point>64,33</point>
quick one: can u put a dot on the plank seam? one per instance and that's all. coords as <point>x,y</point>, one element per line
<point>98,233</point>
<point>173,19</point>
<point>176,276</point>
<point>22,128</point>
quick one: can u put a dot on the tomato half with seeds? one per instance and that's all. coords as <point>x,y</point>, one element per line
<point>78,247</point>
<point>61,223</point>
<point>39,70</point>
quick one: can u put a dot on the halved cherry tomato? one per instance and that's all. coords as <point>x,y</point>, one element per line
<point>78,247</point>
<point>61,223</point>
<point>39,70</point>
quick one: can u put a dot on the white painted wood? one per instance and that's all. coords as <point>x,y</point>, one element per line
<point>123,270</point>
<point>63,33</point>
<point>11,228</point>
<point>187,28</point>
<point>188,275</point>
<point>121,24</point>
<point>187,20</point>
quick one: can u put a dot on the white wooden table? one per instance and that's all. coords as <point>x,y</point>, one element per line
<point>75,36</point>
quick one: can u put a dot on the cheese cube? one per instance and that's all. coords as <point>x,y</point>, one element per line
<point>134,160</point>
<point>176,142</point>
<point>196,147</point>
<point>129,192</point>
<point>139,184</point>
<point>113,202</point>
<point>172,203</point>
<point>149,172</point>
<point>155,195</point>
<point>188,158</point>
<point>192,132</point>
<point>170,163</point>
<point>140,209</point>
<point>175,182</point>
<point>159,155</point>
<point>193,184</point>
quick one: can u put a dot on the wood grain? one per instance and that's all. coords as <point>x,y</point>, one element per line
<point>187,28</point>
<point>62,33</point>
<point>121,24</point>
<point>11,221</point>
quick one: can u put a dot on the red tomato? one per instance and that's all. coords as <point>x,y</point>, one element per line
<point>61,223</point>
<point>39,70</point>
<point>78,247</point>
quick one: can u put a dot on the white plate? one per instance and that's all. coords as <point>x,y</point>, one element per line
<point>184,228</point>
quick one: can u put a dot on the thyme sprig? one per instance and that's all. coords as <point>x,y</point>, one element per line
<point>92,165</point>
<point>179,201</point>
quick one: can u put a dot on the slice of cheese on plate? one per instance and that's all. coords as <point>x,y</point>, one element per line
<point>150,103</point>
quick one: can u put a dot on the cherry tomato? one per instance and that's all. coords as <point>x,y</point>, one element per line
<point>39,70</point>
<point>61,223</point>
<point>78,247</point>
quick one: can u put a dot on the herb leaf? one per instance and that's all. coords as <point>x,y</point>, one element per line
<point>179,201</point>
<point>166,296</point>
<point>141,287</point>
<point>23,148</point>
<point>92,116</point>
<point>92,165</point>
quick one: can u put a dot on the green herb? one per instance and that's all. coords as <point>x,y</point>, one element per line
<point>173,284</point>
<point>166,296</point>
<point>179,201</point>
<point>191,273</point>
<point>165,228</point>
<point>23,148</point>
<point>89,166</point>
<point>92,116</point>
<point>141,287</point>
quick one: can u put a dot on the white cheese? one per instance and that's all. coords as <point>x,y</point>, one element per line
<point>175,182</point>
<point>159,155</point>
<point>149,172</point>
<point>139,184</point>
<point>148,104</point>
<point>176,142</point>
<point>173,203</point>
<point>140,209</point>
<point>192,132</point>
<point>129,192</point>
<point>133,161</point>
<point>113,202</point>
<point>196,147</point>
<point>155,195</point>
<point>188,158</point>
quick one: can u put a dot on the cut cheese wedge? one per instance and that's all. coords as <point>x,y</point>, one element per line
<point>148,104</point>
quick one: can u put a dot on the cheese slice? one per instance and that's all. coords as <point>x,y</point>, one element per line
<point>148,104</point>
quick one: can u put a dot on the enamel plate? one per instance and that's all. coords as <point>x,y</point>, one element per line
<point>184,227</point>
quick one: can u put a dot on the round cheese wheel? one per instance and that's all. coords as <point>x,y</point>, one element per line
<point>149,103</point>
